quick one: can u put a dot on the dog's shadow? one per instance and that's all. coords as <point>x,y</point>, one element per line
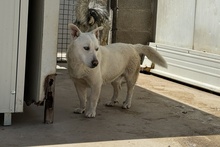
<point>156,116</point>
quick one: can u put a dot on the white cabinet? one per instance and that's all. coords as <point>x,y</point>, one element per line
<point>28,45</point>
<point>13,28</point>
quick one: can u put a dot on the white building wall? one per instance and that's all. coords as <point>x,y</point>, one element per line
<point>187,35</point>
<point>207,26</point>
<point>175,22</point>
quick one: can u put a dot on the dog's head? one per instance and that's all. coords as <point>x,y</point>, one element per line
<point>85,45</point>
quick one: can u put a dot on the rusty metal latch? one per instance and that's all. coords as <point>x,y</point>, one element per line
<point>49,88</point>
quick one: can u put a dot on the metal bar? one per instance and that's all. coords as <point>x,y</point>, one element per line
<point>114,7</point>
<point>66,15</point>
<point>49,99</point>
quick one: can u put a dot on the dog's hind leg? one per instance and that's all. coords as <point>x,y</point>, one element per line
<point>116,88</point>
<point>82,94</point>
<point>131,80</point>
<point>127,102</point>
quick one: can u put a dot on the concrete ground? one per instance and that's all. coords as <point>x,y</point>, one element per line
<point>163,114</point>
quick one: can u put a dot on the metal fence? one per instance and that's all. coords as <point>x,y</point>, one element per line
<point>66,15</point>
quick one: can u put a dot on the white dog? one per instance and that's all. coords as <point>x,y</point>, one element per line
<point>91,65</point>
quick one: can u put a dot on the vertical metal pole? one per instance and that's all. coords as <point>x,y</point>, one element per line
<point>114,7</point>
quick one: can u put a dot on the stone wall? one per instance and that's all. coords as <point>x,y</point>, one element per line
<point>136,21</point>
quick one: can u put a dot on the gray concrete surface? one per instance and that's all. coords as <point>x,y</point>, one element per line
<point>163,114</point>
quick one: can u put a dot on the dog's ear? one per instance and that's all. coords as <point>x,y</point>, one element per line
<point>96,31</point>
<point>75,31</point>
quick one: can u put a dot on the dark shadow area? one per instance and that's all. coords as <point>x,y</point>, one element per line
<point>151,116</point>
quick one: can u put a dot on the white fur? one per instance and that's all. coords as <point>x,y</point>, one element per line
<point>115,62</point>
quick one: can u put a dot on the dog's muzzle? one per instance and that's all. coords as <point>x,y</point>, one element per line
<point>94,63</point>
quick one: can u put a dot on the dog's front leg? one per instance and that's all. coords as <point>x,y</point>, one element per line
<point>93,100</point>
<point>82,94</point>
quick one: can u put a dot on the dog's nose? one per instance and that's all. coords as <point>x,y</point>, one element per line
<point>95,63</point>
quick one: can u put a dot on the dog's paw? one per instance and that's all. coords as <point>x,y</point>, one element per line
<point>79,111</point>
<point>111,103</point>
<point>90,114</point>
<point>126,105</point>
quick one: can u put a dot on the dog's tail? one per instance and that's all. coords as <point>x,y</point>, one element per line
<point>151,54</point>
<point>89,12</point>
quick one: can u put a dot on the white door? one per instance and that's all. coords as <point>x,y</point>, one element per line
<point>9,27</point>
<point>41,48</point>
<point>41,54</point>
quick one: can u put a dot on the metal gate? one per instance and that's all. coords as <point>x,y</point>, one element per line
<point>66,16</point>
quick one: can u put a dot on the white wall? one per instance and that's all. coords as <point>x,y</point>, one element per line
<point>207,26</point>
<point>192,24</point>
<point>175,22</point>
<point>188,36</point>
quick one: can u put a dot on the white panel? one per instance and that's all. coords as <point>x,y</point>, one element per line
<point>207,26</point>
<point>49,44</point>
<point>9,15</point>
<point>42,47</point>
<point>21,56</point>
<point>34,48</point>
<point>175,22</point>
<point>189,66</point>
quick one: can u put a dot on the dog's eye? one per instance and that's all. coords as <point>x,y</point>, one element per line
<point>97,49</point>
<point>86,48</point>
